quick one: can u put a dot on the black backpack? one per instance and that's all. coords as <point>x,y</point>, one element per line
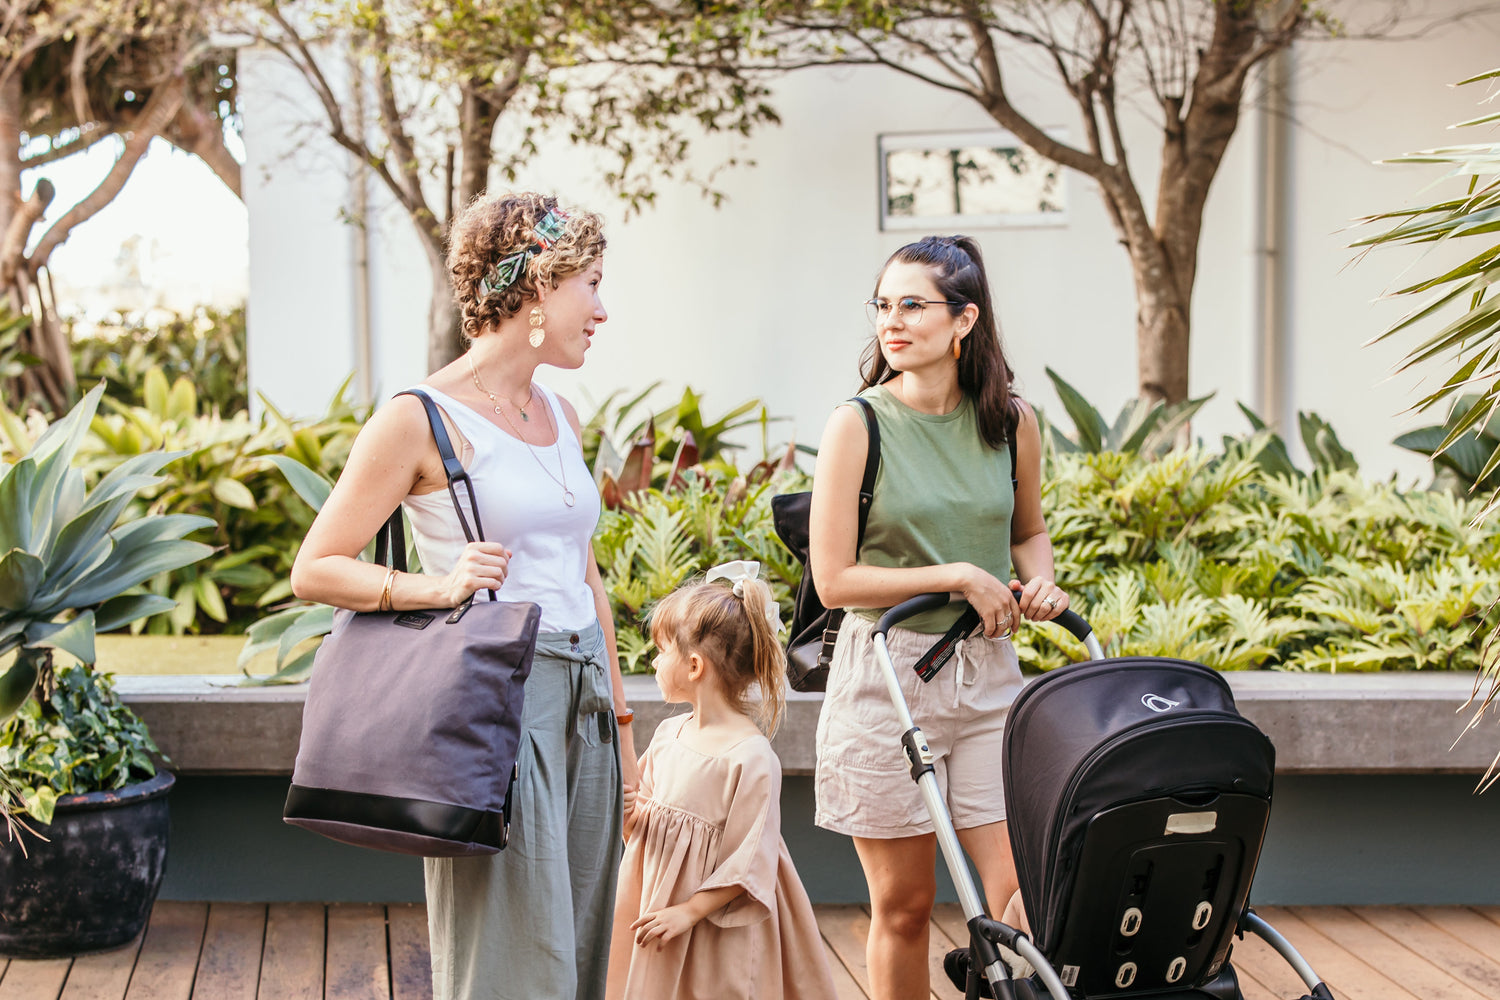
<point>814,628</point>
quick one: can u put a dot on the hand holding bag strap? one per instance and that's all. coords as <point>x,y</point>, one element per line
<point>390,543</point>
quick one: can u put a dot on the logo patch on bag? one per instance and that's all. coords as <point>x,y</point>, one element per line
<point>413,619</point>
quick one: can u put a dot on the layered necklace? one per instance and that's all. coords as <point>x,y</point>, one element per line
<point>567,496</point>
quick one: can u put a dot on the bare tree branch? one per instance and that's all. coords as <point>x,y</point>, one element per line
<point>161,107</point>
<point>196,131</point>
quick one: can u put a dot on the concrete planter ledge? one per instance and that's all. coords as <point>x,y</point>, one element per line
<point>1321,724</point>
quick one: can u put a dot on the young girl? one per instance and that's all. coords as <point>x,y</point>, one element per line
<point>709,903</point>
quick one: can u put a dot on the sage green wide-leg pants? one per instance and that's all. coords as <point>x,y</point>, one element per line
<point>533,922</point>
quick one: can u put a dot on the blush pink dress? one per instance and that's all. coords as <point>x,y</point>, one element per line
<point>706,821</point>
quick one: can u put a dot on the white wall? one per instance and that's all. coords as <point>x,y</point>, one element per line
<point>762,296</point>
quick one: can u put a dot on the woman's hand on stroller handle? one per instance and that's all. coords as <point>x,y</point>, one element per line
<point>913,606</point>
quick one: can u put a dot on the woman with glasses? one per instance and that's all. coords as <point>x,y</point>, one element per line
<point>945,517</point>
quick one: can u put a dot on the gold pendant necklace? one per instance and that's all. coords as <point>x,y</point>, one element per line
<point>493,401</point>
<point>568,497</point>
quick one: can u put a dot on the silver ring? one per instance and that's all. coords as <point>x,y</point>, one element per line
<point>1051,602</point>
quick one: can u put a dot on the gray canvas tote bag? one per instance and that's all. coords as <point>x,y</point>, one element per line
<point>412,720</point>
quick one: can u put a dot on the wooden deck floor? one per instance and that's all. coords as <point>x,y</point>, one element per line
<point>308,951</point>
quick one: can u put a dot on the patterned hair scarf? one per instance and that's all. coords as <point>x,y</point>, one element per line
<point>744,573</point>
<point>510,268</point>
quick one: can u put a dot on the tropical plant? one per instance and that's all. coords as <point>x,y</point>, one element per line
<point>1218,558</point>
<point>1459,466</point>
<point>80,738</point>
<point>1148,427</point>
<point>226,474</point>
<point>292,629</point>
<point>71,563</point>
<point>14,358</point>
<point>1468,344</point>
<point>647,549</point>
<point>657,450</point>
<point>206,346</point>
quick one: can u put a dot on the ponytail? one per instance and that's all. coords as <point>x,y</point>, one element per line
<point>768,660</point>
<point>733,629</point>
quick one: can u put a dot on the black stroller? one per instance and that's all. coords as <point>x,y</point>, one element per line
<point>1138,799</point>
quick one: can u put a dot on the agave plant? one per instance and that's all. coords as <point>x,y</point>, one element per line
<point>66,565</point>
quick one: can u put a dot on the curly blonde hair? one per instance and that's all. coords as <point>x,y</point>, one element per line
<point>494,227</point>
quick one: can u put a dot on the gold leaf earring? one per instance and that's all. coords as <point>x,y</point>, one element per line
<point>537,333</point>
<point>957,346</point>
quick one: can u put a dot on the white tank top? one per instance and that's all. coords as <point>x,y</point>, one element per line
<point>521,507</point>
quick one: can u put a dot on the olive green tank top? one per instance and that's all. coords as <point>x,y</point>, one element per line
<point>941,496</point>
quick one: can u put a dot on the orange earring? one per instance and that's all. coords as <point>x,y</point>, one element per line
<point>957,345</point>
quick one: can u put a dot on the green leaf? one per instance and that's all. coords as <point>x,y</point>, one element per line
<point>127,608</point>
<point>234,494</point>
<point>16,685</point>
<point>1087,422</point>
<point>17,500</point>
<point>75,637</point>
<point>21,576</point>
<point>317,621</point>
<point>155,391</point>
<point>311,486</point>
<point>210,600</point>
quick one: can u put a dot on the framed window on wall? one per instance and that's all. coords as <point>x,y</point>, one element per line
<point>949,180</point>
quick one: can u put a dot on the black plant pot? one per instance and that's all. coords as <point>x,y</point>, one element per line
<point>90,885</point>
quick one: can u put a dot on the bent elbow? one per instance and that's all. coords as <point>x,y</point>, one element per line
<point>302,584</point>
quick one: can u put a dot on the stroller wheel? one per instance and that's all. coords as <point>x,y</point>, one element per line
<point>956,965</point>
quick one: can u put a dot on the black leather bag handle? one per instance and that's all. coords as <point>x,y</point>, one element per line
<point>390,541</point>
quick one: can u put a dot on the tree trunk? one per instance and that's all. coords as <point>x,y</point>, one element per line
<point>1162,335</point>
<point>444,342</point>
<point>11,174</point>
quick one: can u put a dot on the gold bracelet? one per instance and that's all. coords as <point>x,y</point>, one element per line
<point>385,592</point>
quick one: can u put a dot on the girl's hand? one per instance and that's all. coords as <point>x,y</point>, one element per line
<point>1041,599</point>
<point>663,925</point>
<point>992,599</point>
<point>630,794</point>
<point>481,566</point>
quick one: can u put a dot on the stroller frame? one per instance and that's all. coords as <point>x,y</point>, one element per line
<point>985,933</point>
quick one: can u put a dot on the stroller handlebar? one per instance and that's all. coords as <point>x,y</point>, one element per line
<point>913,606</point>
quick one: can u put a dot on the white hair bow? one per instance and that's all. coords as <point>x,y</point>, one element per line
<point>747,571</point>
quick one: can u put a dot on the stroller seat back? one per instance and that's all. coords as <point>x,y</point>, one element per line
<point>1138,799</point>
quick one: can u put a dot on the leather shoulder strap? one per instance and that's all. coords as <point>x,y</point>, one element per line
<point>1012,424</point>
<point>872,467</point>
<point>390,543</point>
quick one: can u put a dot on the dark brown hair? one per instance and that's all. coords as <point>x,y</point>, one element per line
<point>734,634</point>
<point>957,268</point>
<point>494,227</point>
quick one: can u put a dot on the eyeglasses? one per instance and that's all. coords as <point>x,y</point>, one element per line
<point>908,309</point>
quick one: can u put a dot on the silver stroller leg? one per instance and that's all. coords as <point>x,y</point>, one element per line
<point>920,758</point>
<point>1255,925</point>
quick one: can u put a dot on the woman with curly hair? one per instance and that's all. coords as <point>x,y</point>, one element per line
<point>534,920</point>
